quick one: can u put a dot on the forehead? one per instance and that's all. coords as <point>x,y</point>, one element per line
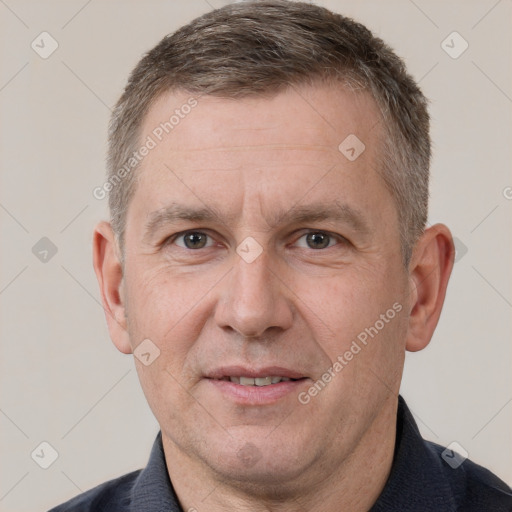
<point>220,152</point>
<point>306,117</point>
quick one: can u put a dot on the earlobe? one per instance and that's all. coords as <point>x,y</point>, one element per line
<point>429,272</point>
<point>109,272</point>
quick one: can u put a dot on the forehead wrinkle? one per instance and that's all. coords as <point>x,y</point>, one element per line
<point>260,147</point>
<point>243,169</point>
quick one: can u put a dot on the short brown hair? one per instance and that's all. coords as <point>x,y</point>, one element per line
<point>261,47</point>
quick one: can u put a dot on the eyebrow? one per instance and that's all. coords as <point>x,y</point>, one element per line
<point>334,212</point>
<point>177,212</point>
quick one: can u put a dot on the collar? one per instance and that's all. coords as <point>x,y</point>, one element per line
<point>417,480</point>
<point>153,491</point>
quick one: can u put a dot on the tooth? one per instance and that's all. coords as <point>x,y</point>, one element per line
<point>275,380</point>
<point>236,380</point>
<point>284,379</point>
<point>263,381</point>
<point>246,381</point>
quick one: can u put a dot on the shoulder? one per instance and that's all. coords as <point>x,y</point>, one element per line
<point>427,476</point>
<point>111,496</point>
<point>474,487</point>
<point>142,490</point>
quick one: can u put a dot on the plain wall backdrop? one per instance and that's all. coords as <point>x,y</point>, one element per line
<point>62,380</point>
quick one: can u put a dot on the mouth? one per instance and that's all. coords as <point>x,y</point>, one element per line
<point>258,381</point>
<point>256,386</point>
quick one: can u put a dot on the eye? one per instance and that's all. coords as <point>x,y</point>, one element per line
<point>317,240</point>
<point>193,240</point>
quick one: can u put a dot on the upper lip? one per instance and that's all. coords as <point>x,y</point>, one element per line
<point>244,371</point>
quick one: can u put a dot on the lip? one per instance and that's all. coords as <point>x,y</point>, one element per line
<point>237,371</point>
<point>256,395</point>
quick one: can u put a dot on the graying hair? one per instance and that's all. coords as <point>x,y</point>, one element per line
<point>258,48</point>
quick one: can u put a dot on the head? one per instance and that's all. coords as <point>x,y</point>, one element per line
<point>266,47</point>
<point>274,226</point>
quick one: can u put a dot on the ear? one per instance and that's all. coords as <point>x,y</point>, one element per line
<point>109,272</point>
<point>429,272</point>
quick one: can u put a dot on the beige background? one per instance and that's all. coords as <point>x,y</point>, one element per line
<point>63,382</point>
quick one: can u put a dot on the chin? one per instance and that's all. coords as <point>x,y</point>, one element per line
<point>259,463</point>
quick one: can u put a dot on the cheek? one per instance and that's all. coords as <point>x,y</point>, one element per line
<point>170,309</point>
<point>158,300</point>
<point>345,303</point>
<point>166,309</point>
<point>360,314</point>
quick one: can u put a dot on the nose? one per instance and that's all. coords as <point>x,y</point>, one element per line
<point>254,300</point>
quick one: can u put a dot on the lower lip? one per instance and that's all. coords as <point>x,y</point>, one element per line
<point>258,395</point>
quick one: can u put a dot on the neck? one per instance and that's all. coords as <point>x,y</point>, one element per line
<point>352,484</point>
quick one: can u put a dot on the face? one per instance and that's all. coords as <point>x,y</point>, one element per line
<point>263,263</point>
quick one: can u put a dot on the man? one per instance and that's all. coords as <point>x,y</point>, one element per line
<point>268,263</point>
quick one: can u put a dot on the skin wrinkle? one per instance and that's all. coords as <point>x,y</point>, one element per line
<point>261,147</point>
<point>294,307</point>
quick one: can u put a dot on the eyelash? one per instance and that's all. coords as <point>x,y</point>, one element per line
<point>340,239</point>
